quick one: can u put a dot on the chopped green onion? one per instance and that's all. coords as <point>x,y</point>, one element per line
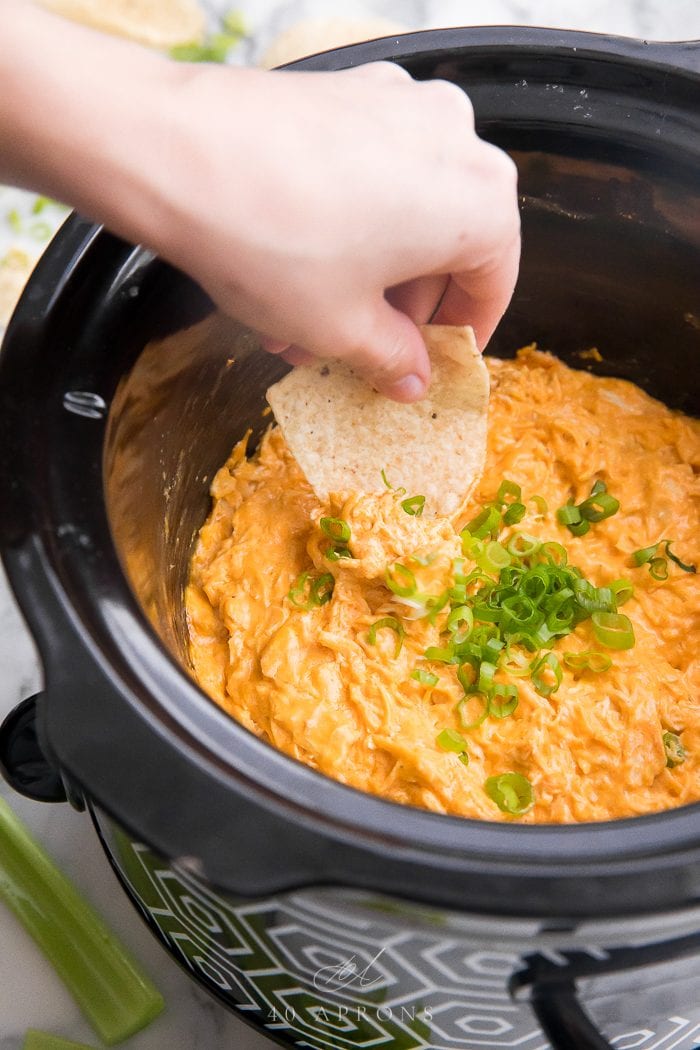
<point>485,682</point>
<point>493,558</point>
<point>436,654</point>
<point>451,740</point>
<point>505,489</point>
<point>658,568</point>
<point>540,505</point>
<point>677,560</point>
<point>613,629</point>
<point>413,505</point>
<point>39,204</point>
<point>522,545</point>
<point>308,592</point>
<point>36,1040</point>
<point>336,529</point>
<point>425,677</point>
<point>641,557</point>
<point>675,752</point>
<point>514,514</point>
<point>468,717</point>
<point>622,590</point>
<point>486,523</point>
<point>555,553</point>
<point>599,506</point>
<point>399,492</point>
<point>590,660</point>
<point>569,515</point>
<point>335,553</point>
<point>400,580</point>
<point>464,758</point>
<point>462,614</point>
<point>503,700</point>
<point>546,674</point>
<point>512,793</point>
<point>580,528</point>
<point>391,624</point>
<point>106,982</point>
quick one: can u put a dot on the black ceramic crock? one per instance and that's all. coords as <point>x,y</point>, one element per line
<point>122,391</point>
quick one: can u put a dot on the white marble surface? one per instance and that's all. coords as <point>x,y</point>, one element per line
<point>30,993</point>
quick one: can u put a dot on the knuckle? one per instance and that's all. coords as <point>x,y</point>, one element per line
<point>452,99</point>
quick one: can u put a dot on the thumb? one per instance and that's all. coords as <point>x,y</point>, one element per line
<point>391,354</point>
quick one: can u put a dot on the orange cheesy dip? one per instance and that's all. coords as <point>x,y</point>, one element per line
<point>534,657</point>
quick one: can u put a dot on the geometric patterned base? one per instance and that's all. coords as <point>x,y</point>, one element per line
<point>331,969</point>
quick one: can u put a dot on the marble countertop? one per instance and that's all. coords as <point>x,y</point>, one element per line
<point>30,993</point>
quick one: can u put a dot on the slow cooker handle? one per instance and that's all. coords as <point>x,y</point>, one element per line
<point>23,763</point>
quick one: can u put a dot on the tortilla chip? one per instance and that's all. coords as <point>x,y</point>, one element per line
<point>343,434</point>
<point>156,23</point>
<point>312,35</point>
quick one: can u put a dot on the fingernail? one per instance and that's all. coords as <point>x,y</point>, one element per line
<point>410,388</point>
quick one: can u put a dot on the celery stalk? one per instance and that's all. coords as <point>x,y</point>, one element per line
<point>107,983</point>
<point>36,1040</point>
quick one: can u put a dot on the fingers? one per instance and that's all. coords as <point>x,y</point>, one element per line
<point>391,354</point>
<point>480,297</point>
<point>419,299</point>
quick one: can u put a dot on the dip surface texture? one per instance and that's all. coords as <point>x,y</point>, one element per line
<point>313,684</point>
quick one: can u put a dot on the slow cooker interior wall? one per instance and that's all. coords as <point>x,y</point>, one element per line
<point>607,262</point>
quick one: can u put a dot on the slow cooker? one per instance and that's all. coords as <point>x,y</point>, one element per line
<point>326,917</point>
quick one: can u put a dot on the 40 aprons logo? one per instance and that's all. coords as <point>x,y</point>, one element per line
<point>352,975</point>
<point>348,974</point>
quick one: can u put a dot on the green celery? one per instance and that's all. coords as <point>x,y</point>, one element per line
<point>105,980</point>
<point>36,1040</point>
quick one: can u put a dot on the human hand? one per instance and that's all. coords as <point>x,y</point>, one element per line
<point>333,212</point>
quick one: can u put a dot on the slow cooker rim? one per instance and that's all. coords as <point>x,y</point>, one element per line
<point>616,842</point>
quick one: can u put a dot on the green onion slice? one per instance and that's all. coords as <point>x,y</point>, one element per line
<point>472,710</point>
<point>589,660</point>
<point>658,568</point>
<point>674,558</point>
<point>614,630</point>
<point>569,515</point>
<point>645,554</point>
<point>622,590</point>
<point>599,506</point>
<point>460,622</point>
<point>414,505</point>
<point>442,655</point>
<point>546,674</point>
<point>503,700</point>
<point>336,529</point>
<point>107,983</point>
<point>485,682</point>
<point>425,677</point>
<point>514,514</point>
<point>400,580</point>
<point>389,623</point>
<point>512,793</point>
<point>506,489</point>
<point>486,523</point>
<point>675,752</point>
<point>522,545</point>
<point>335,553</point>
<point>540,505</point>
<point>451,740</point>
